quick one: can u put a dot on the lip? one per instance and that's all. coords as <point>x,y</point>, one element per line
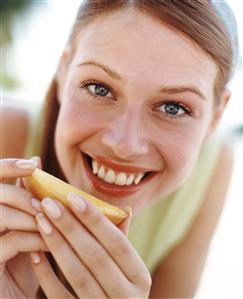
<point>112,189</point>
<point>119,167</point>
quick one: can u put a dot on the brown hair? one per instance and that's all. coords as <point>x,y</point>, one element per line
<point>195,19</point>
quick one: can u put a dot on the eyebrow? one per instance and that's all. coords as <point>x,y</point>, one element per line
<point>105,68</point>
<point>182,89</point>
<point>163,89</point>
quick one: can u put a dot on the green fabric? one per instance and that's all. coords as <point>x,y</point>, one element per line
<point>33,145</point>
<point>158,229</point>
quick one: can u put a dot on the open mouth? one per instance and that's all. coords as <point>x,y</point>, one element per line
<point>108,179</point>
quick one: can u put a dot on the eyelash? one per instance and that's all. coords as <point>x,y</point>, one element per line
<point>188,112</point>
<point>86,83</point>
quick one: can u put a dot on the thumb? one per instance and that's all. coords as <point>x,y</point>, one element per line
<point>124,226</point>
<point>20,182</point>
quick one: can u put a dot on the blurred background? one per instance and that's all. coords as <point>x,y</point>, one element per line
<point>32,37</point>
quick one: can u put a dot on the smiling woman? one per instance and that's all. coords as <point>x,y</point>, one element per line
<point>132,123</point>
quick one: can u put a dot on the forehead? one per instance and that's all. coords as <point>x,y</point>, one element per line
<point>137,46</point>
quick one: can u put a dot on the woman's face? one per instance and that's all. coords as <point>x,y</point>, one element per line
<point>136,106</point>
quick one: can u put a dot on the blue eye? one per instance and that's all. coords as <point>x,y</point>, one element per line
<point>173,109</point>
<point>98,89</point>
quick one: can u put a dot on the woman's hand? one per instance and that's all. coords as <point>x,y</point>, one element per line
<point>94,255</point>
<point>18,231</point>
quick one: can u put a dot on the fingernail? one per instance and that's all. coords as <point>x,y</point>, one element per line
<point>36,159</point>
<point>77,202</point>
<point>35,257</point>
<point>44,224</point>
<point>52,208</point>
<point>36,204</point>
<point>26,164</point>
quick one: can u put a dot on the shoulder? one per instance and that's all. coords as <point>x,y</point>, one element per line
<point>217,189</point>
<point>14,130</point>
<point>191,253</point>
<point>213,200</point>
<point>223,170</point>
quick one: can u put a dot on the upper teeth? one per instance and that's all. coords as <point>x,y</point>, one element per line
<point>113,177</point>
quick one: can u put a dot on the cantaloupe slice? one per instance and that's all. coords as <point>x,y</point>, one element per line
<point>41,184</point>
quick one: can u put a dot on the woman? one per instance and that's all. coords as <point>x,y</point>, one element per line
<point>130,118</point>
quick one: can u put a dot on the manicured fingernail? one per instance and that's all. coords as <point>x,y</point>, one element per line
<point>36,204</point>
<point>52,208</point>
<point>77,202</point>
<point>35,158</point>
<point>26,164</point>
<point>44,224</point>
<point>35,257</point>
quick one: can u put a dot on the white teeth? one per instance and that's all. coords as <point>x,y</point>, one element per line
<point>95,166</point>
<point>121,179</point>
<point>110,176</point>
<point>118,178</point>
<point>101,173</point>
<point>139,177</point>
<point>130,179</point>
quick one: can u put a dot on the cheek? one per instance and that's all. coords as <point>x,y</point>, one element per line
<point>180,149</point>
<point>75,123</point>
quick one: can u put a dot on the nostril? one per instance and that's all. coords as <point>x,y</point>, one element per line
<point>126,140</point>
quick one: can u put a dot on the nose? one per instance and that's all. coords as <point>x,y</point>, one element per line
<point>125,137</point>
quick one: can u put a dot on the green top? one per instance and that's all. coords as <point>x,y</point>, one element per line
<point>159,228</point>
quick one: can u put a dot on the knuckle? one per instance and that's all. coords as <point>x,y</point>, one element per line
<point>148,282</point>
<point>18,238</point>
<point>145,281</point>
<point>94,219</point>
<point>97,258</point>
<point>11,193</point>
<point>7,165</point>
<point>122,248</point>
<point>66,226</point>
<point>56,243</point>
<point>45,274</point>
<point>80,282</point>
<point>142,279</point>
<point>17,197</point>
<point>12,238</point>
<point>2,222</point>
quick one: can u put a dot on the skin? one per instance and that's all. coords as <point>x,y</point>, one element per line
<point>125,124</point>
<point>127,129</point>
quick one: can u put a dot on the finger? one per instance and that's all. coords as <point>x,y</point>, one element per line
<point>74,270</point>
<point>113,239</point>
<point>14,168</point>
<point>14,242</point>
<point>20,199</point>
<point>16,220</point>
<point>48,280</point>
<point>90,251</point>
<point>124,226</point>
<point>20,182</point>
